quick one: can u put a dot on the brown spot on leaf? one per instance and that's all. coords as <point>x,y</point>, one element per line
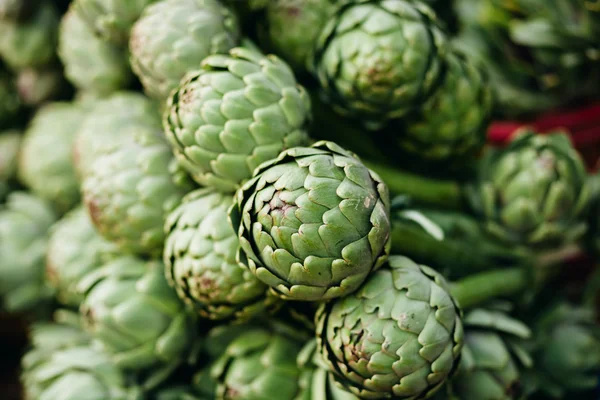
<point>94,210</point>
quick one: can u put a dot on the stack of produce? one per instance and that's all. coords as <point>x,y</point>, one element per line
<point>294,199</point>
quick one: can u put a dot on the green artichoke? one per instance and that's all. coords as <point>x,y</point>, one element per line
<point>566,350</point>
<point>452,123</point>
<point>77,373</point>
<point>129,191</point>
<point>38,86</point>
<point>200,259</point>
<point>74,250</point>
<point>399,336</point>
<point>105,125</point>
<point>31,43</point>
<point>9,99</point>
<point>111,19</point>
<point>534,191</point>
<point>173,37</point>
<point>24,223</point>
<point>293,26</point>
<point>258,364</point>
<point>378,59</point>
<point>91,64</point>
<point>492,357</point>
<point>313,223</point>
<point>10,143</point>
<point>235,113</point>
<point>46,160</point>
<point>540,54</point>
<point>133,314</point>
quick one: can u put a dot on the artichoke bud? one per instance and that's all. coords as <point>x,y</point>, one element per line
<point>133,314</point>
<point>313,223</point>
<point>399,336</point>
<point>200,259</point>
<point>533,192</point>
<point>236,112</point>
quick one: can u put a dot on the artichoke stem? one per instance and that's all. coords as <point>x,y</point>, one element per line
<point>428,191</point>
<point>484,286</point>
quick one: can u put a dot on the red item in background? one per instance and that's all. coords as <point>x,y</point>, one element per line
<point>583,124</point>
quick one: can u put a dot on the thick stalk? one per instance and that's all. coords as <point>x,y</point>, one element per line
<point>427,191</point>
<point>484,286</point>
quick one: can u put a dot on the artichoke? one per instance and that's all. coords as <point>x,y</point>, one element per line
<point>378,59</point>
<point>534,191</point>
<point>105,125</point>
<point>313,223</point>
<point>9,99</point>
<point>452,123</point>
<point>129,191</point>
<point>199,256</point>
<point>91,64</point>
<point>74,250</point>
<point>258,364</point>
<point>566,350</point>
<point>492,357</point>
<point>37,86</point>
<point>111,20</point>
<point>133,314</point>
<point>399,336</point>
<point>77,373</point>
<point>24,223</point>
<point>235,113</point>
<point>173,37</point>
<point>292,27</point>
<point>46,160</point>
<point>10,143</point>
<point>31,43</point>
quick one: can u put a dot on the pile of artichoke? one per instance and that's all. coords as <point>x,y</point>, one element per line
<point>294,199</point>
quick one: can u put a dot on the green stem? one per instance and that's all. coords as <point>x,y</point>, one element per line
<point>434,192</point>
<point>479,288</point>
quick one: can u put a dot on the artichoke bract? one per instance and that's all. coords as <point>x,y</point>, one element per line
<point>452,123</point>
<point>50,174</point>
<point>106,123</point>
<point>313,223</point>
<point>38,86</point>
<point>534,191</point>
<point>292,27</point>
<point>566,350</point>
<point>111,19</point>
<point>377,59</point>
<point>399,336</point>
<point>31,43</point>
<point>78,373</point>
<point>130,190</point>
<point>258,364</point>
<point>172,37</point>
<point>74,249</point>
<point>492,357</point>
<point>91,64</point>
<point>132,314</point>
<point>200,259</point>
<point>24,224</point>
<point>235,113</point>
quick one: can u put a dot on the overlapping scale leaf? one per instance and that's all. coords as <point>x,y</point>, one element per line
<point>133,314</point>
<point>233,114</point>
<point>172,38</point>
<point>313,223</point>
<point>129,191</point>
<point>46,159</point>
<point>200,259</point>
<point>37,86</point>
<point>534,191</point>
<point>91,64</point>
<point>377,59</point>
<point>399,336</point>
<point>24,224</point>
<point>30,43</point>
<point>74,250</point>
